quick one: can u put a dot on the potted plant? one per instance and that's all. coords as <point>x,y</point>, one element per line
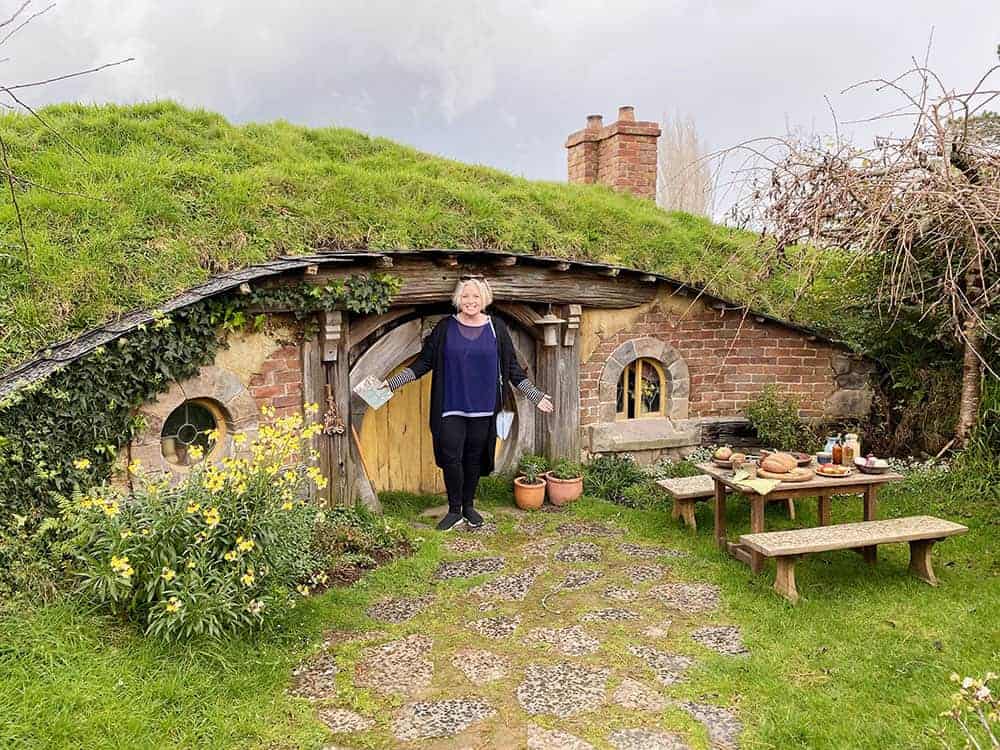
<point>564,482</point>
<point>529,487</point>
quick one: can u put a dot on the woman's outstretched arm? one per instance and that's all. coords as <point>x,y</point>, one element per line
<point>423,364</point>
<point>515,374</point>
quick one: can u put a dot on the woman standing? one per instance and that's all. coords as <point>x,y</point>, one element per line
<point>472,357</point>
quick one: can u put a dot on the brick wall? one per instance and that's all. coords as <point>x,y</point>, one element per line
<point>621,155</point>
<point>762,353</point>
<point>279,381</point>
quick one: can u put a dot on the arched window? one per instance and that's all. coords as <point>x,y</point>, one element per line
<point>642,390</point>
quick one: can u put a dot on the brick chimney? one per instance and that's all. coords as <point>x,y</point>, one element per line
<point>621,155</point>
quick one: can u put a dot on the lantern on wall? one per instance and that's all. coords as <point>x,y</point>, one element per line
<point>551,325</point>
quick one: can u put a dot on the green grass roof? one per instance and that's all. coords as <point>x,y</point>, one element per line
<point>161,197</point>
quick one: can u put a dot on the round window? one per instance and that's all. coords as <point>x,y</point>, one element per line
<point>187,434</point>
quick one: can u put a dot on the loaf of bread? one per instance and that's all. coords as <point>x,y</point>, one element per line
<point>788,460</point>
<point>774,464</point>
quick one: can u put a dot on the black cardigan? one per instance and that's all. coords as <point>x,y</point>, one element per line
<point>431,357</point>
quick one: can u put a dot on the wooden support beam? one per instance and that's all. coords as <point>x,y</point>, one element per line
<point>331,331</point>
<point>338,376</point>
<point>364,327</point>
<point>572,314</point>
<point>314,391</point>
<point>522,314</point>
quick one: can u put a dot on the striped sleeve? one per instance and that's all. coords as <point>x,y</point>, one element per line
<point>532,393</point>
<point>401,378</point>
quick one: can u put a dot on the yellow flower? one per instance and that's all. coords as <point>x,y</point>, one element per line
<point>120,565</point>
<point>231,556</point>
<point>110,508</point>
<point>239,438</point>
<point>244,545</point>
<point>190,564</point>
<point>196,452</point>
<point>321,483</point>
<point>247,578</point>
<point>287,505</point>
<point>302,589</point>
<point>212,517</point>
<point>168,575</point>
<point>125,534</point>
<point>145,532</point>
<point>86,502</point>
<point>255,606</point>
<point>213,435</point>
<point>311,408</point>
<point>193,508</point>
<point>174,604</point>
<point>82,464</point>
<point>135,466</point>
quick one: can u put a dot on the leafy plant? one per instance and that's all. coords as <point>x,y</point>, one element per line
<point>643,495</point>
<point>566,469</point>
<point>349,535</point>
<point>976,710</point>
<point>775,417</point>
<point>216,554</point>
<point>608,476</point>
<point>531,467</point>
<point>29,562</point>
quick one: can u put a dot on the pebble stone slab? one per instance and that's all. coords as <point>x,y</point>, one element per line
<point>399,610</point>
<point>315,678</point>
<point>497,628</point>
<point>579,552</point>
<point>726,639</point>
<point>644,573</point>
<point>619,594</point>
<point>691,598</point>
<point>669,668</point>
<point>636,696</point>
<point>724,729</point>
<point>396,667</point>
<point>642,552</point>
<point>539,547</point>
<point>572,640</point>
<point>564,689</point>
<point>510,588</point>
<point>480,666</point>
<point>340,720</point>
<point>475,566</point>
<point>464,544</point>
<point>610,614</point>
<point>427,719</point>
<point>553,739</point>
<point>659,630</point>
<point>577,579</point>
<point>646,739</point>
<point>588,528</point>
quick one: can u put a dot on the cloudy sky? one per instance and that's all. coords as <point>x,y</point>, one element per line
<point>502,82</point>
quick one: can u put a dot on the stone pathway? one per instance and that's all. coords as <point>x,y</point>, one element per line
<point>539,631</point>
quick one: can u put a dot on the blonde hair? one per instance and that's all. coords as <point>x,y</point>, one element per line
<point>481,286</point>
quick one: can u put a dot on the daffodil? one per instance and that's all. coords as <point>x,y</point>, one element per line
<point>82,464</point>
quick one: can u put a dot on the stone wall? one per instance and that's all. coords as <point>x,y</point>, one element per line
<point>716,363</point>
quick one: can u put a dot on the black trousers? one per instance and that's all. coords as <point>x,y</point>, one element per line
<point>463,440</point>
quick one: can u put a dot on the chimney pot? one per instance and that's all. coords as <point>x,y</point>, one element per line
<point>626,114</point>
<point>595,122</point>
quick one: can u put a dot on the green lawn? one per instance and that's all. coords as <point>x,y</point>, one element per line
<point>862,662</point>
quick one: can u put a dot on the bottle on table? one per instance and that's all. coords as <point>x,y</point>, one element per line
<point>838,451</point>
<point>852,448</point>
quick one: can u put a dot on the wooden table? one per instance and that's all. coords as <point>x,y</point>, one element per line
<point>820,487</point>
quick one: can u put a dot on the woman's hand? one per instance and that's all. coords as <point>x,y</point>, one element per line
<point>384,385</point>
<point>546,405</point>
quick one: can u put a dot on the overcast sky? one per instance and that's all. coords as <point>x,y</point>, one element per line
<point>502,82</point>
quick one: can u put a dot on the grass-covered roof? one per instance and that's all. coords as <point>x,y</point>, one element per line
<point>154,198</point>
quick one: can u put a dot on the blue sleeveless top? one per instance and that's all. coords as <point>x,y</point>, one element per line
<point>471,369</point>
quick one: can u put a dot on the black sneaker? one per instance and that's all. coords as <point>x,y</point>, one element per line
<point>472,517</point>
<point>450,521</point>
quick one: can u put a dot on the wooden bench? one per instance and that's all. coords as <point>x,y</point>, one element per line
<point>686,491</point>
<point>787,546</point>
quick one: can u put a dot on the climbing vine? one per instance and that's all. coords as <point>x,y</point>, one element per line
<point>64,432</point>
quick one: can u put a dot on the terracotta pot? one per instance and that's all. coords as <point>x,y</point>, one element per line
<point>563,491</point>
<point>529,496</point>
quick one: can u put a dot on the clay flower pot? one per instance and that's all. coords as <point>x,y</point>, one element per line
<point>563,491</point>
<point>529,496</point>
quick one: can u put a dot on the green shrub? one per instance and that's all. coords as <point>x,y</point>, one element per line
<point>28,563</point>
<point>643,495</point>
<point>775,417</point>
<point>667,469</point>
<point>566,469</point>
<point>608,475</point>
<point>355,536</point>
<point>218,553</point>
<point>496,489</point>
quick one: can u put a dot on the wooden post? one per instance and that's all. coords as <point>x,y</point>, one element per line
<point>756,527</point>
<point>720,515</point>
<point>784,581</point>
<point>871,513</point>
<point>314,391</point>
<point>920,560</point>
<point>823,510</point>
<point>338,375</point>
<point>547,373</point>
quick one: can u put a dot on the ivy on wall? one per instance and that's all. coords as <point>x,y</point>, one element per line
<point>64,432</point>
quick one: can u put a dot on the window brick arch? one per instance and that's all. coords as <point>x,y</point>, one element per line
<point>678,385</point>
